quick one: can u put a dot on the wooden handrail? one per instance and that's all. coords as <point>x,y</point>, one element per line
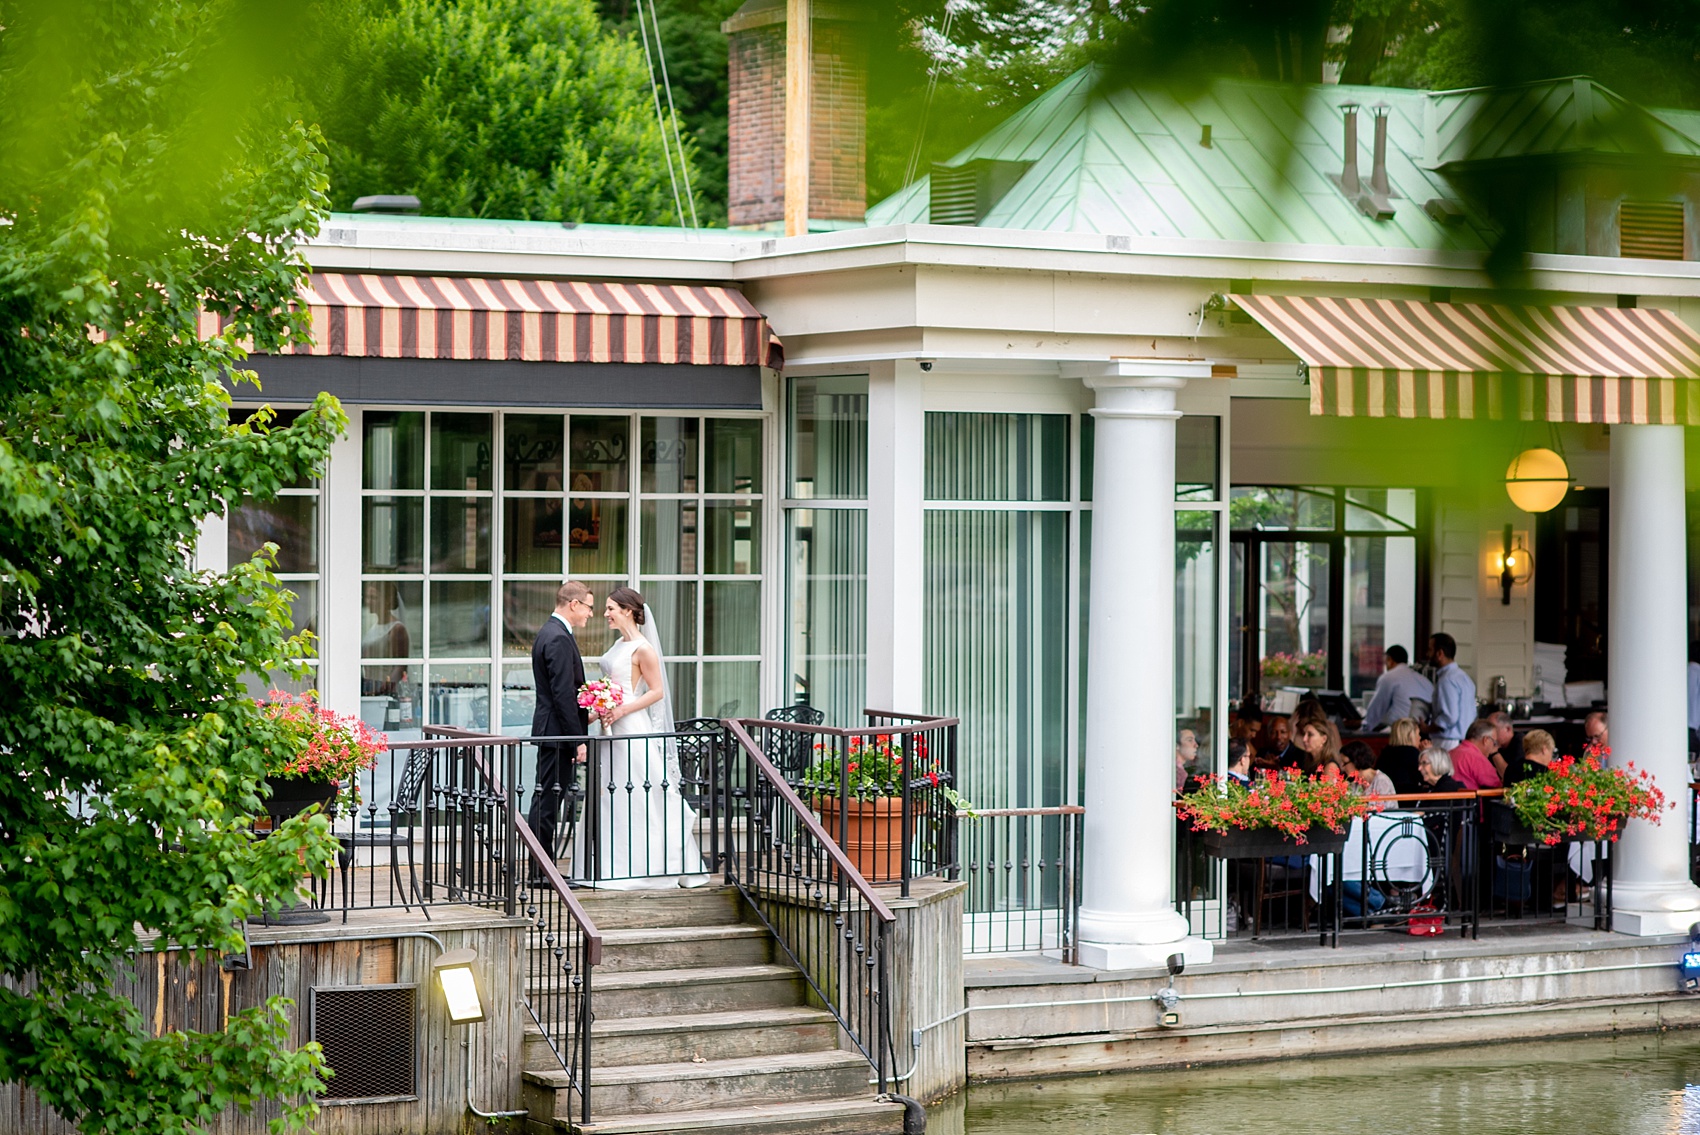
<point>551,874</point>
<point>777,782</point>
<point>895,716</point>
<point>1059,810</point>
<point>1415,797</point>
<point>920,726</point>
<point>592,936</point>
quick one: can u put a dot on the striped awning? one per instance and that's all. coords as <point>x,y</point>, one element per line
<point>1377,358</point>
<point>561,321</point>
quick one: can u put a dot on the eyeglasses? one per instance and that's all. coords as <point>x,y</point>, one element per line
<point>586,602</point>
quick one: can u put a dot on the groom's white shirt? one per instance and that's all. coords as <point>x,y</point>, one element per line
<point>564,623</point>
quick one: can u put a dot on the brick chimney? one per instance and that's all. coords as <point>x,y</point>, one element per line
<point>755,191</point>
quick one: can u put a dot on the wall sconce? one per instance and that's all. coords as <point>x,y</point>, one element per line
<point>1514,564</point>
<point>460,990</point>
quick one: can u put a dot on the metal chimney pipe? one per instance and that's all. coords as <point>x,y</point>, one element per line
<point>1349,174</point>
<point>1378,172</point>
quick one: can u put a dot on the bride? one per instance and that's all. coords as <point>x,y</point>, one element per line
<point>647,836</point>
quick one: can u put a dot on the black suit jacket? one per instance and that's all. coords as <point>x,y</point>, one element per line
<point>557,670</point>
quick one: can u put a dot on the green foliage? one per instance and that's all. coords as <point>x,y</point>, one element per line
<point>696,65</point>
<point>151,168</point>
<point>521,109</point>
<point>998,56</point>
<point>1646,50</point>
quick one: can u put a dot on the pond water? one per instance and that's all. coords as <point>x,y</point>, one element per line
<point>1636,1085</point>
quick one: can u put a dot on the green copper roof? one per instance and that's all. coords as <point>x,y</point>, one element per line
<point>1135,162</point>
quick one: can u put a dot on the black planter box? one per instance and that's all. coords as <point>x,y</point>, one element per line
<point>1259,843</point>
<point>292,795</point>
<point>1504,826</point>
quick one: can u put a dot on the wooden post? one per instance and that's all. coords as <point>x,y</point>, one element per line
<point>799,53</point>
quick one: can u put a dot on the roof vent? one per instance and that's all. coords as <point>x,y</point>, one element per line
<point>1372,202</point>
<point>1651,230</point>
<point>1443,210</point>
<point>387,203</point>
<point>1348,179</point>
<point>964,194</point>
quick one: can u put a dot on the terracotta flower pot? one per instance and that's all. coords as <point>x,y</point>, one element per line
<point>873,837</point>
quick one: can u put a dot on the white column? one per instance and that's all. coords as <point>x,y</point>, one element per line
<point>896,435</point>
<point>339,589</point>
<point>1128,915</point>
<point>1648,684</point>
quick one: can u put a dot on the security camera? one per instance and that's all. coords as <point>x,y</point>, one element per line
<point>926,364</point>
<point>1177,964</point>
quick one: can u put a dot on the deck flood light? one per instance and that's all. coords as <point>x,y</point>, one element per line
<point>1690,964</point>
<point>1168,1000</point>
<point>460,989</point>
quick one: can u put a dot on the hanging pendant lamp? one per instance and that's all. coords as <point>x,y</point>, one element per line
<point>1537,480</point>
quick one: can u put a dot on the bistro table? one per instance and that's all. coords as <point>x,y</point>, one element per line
<point>1397,843</point>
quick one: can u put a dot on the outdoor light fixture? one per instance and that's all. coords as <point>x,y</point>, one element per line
<point>1537,480</point>
<point>460,990</point>
<point>1168,1000</point>
<point>1689,967</point>
<point>1514,564</point>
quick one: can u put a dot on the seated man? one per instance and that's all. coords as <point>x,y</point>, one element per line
<point>1470,764</point>
<point>1594,729</point>
<point>1505,736</point>
<point>1239,761</point>
<point>1394,690</point>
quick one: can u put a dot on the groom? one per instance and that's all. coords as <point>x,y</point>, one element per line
<point>557,672</point>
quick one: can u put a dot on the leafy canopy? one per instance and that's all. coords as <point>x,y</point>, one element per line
<point>994,56</point>
<point>146,170</point>
<point>520,109</point>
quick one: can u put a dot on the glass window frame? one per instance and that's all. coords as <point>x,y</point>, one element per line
<point>797,510</point>
<point>500,665</point>
<point>315,489</point>
<point>1249,542</point>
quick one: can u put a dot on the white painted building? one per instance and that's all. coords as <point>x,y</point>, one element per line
<point>1033,468</point>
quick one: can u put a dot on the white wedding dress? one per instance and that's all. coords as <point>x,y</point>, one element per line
<point>648,834</point>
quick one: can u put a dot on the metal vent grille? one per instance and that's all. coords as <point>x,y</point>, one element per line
<point>368,1037</point>
<point>964,194</point>
<point>1650,230</point>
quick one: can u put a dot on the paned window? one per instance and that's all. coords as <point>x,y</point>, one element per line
<point>472,522</point>
<point>293,522</point>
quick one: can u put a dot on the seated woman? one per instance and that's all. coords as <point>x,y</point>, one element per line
<point>1320,742</point>
<point>1399,759</point>
<point>1358,760</point>
<point>1538,749</point>
<point>1435,766</point>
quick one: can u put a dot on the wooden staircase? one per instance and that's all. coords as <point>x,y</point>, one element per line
<point>701,1025</point>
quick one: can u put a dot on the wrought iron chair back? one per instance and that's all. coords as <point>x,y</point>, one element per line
<point>790,752</point>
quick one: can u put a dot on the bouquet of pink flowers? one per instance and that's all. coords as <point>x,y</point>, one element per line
<point>600,697</point>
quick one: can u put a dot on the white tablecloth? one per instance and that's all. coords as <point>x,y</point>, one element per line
<point>1398,842</point>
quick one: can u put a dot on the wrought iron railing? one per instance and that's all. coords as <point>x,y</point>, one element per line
<point>805,889</point>
<point>1428,862</point>
<point>1022,867</point>
<point>429,823</point>
<point>563,949</point>
<point>635,807</point>
<point>885,793</point>
<point>563,945</point>
<point>1694,832</point>
<point>1524,880</point>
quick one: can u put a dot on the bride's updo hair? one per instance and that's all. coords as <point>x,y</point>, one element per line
<point>629,601</point>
